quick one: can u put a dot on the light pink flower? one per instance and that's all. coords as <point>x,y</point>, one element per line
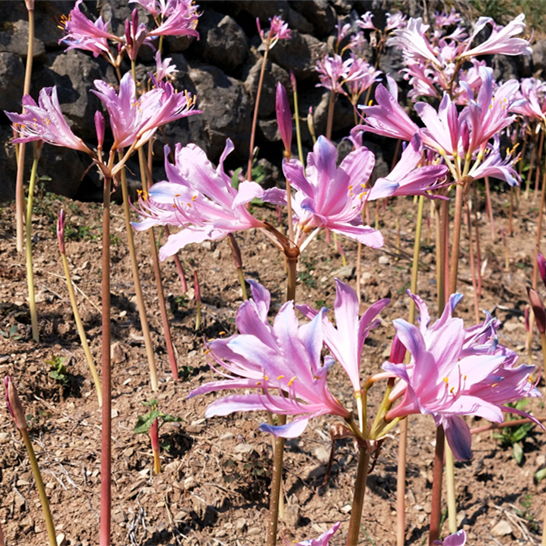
<point>81,33</point>
<point>285,356</point>
<point>198,198</point>
<point>501,40</point>
<point>413,41</point>
<point>164,67</point>
<point>365,21</point>
<point>324,539</point>
<point>457,539</point>
<point>395,21</point>
<point>330,196</point>
<point>278,30</point>
<point>44,121</point>
<point>180,18</point>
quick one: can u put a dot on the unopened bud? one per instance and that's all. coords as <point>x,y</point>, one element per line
<point>14,404</point>
<point>284,117</point>
<point>30,7</point>
<point>526,319</point>
<point>60,231</point>
<point>465,136</point>
<point>311,123</point>
<point>154,435</point>
<point>542,267</point>
<point>99,127</point>
<point>538,309</point>
<point>398,351</point>
<point>196,286</point>
<point>236,251</point>
<point>260,32</point>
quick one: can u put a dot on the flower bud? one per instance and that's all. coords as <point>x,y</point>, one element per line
<point>538,309</point>
<point>526,319</point>
<point>398,351</point>
<point>154,435</point>
<point>99,127</point>
<point>60,231</point>
<point>542,267</point>
<point>236,251</point>
<point>14,404</point>
<point>284,117</point>
<point>465,136</point>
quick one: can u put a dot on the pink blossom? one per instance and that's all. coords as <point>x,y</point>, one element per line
<point>135,36</point>
<point>452,373</point>
<point>413,41</point>
<point>495,166</point>
<point>366,21</point>
<point>284,356</point>
<point>199,199</point>
<point>44,121</point>
<point>447,19</point>
<point>346,340</point>
<point>284,116</point>
<point>331,196</point>
<point>501,40</point>
<point>165,69</point>
<point>278,30</point>
<point>180,18</point>
<point>333,72</point>
<point>324,539</point>
<point>81,33</point>
<point>395,21</point>
<point>134,120</point>
<point>360,77</point>
<point>457,539</point>
<point>530,101</point>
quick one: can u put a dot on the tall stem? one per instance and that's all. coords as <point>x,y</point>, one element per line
<point>106,443</point>
<point>19,192</point>
<point>454,262</point>
<point>30,273</point>
<point>531,165</point>
<point>136,281</point>
<point>81,330</point>
<point>472,264</point>
<point>41,489</point>
<point>146,181</point>
<point>401,472</point>
<point>292,256</point>
<point>490,209</point>
<point>437,474</point>
<point>358,497</point>
<point>255,118</point>
<point>297,120</point>
<point>330,121</point>
<point>276,487</point>
<point>539,158</point>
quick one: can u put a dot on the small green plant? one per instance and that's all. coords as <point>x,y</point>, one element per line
<point>305,276</point>
<point>11,333</point>
<point>59,371</point>
<point>526,513</point>
<point>514,436</point>
<point>178,302</point>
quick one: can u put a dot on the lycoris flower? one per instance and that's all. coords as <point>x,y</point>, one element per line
<point>81,33</point>
<point>134,120</point>
<point>164,68</point>
<point>452,374</point>
<point>198,198</point>
<point>180,18</point>
<point>285,356</point>
<point>324,539</point>
<point>346,340</point>
<point>278,30</point>
<point>44,121</point>
<point>457,539</point>
<point>330,196</point>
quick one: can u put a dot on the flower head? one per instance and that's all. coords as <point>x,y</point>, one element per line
<point>15,407</point>
<point>165,69</point>
<point>322,540</point>
<point>44,121</point>
<point>457,539</point>
<point>455,372</point>
<point>198,198</point>
<point>180,18</point>
<point>331,196</point>
<point>278,30</point>
<point>284,356</point>
<point>284,116</point>
<point>60,230</point>
<point>346,340</point>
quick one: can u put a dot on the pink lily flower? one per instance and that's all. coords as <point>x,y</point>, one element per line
<point>395,21</point>
<point>198,198</point>
<point>180,19</point>
<point>134,120</point>
<point>457,539</point>
<point>44,121</point>
<point>330,196</point>
<point>387,117</point>
<point>447,379</point>
<point>334,72</point>
<point>278,30</point>
<point>408,179</point>
<point>447,19</point>
<point>531,101</point>
<point>346,340</point>
<point>365,21</point>
<point>288,357</point>
<point>495,166</point>
<point>360,77</point>
<point>165,69</point>
<point>81,33</point>
<point>136,35</point>
<point>413,41</point>
<point>501,40</point>
<point>322,540</point>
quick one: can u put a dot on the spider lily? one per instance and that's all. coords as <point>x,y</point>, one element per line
<point>82,33</point>
<point>447,378</point>
<point>330,196</point>
<point>45,122</point>
<point>198,198</point>
<point>164,68</point>
<point>285,356</point>
<point>458,539</point>
<point>180,18</point>
<point>134,120</point>
<point>278,30</point>
<point>531,101</point>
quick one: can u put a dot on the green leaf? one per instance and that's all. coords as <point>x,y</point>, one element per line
<point>13,330</point>
<point>517,452</point>
<point>540,475</point>
<point>145,422</point>
<point>235,178</point>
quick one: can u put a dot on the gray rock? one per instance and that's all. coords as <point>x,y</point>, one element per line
<point>227,109</point>
<point>273,74</point>
<point>11,82</point>
<point>539,58</point>
<point>15,40</point>
<point>266,9</point>
<point>222,42</point>
<point>319,13</point>
<point>65,168</point>
<point>299,54</point>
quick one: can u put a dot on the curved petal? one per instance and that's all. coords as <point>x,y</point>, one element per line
<point>458,436</point>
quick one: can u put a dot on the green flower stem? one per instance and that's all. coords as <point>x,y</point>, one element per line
<point>41,489</point>
<point>401,472</point>
<point>358,497</point>
<point>330,121</point>
<point>81,331</point>
<point>297,120</point>
<point>106,431</point>
<point>138,289</point>
<point>19,190</point>
<point>255,118</point>
<point>30,273</point>
<point>450,490</point>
